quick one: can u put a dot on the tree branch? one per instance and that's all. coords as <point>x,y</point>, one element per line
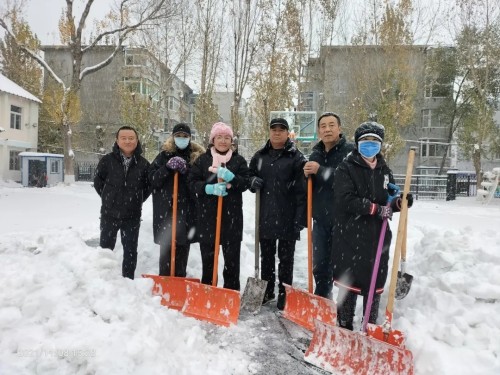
<point>32,54</point>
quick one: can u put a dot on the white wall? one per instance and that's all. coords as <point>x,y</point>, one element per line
<point>24,139</point>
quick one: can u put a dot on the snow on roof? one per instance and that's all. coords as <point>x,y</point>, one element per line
<point>8,86</point>
<point>40,154</point>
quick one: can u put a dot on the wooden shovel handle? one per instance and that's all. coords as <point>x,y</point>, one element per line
<point>174,223</point>
<point>400,236</point>
<point>309,235</point>
<point>405,233</point>
<point>217,236</point>
<point>257,236</point>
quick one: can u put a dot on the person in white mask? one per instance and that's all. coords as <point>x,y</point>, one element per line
<point>363,183</point>
<point>178,154</point>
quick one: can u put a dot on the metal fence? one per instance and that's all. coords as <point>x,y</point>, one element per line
<point>423,187</point>
<point>85,171</point>
<point>444,187</point>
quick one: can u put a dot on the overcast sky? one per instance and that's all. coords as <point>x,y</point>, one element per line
<point>43,16</point>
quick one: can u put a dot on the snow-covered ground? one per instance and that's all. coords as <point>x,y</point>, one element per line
<point>65,309</point>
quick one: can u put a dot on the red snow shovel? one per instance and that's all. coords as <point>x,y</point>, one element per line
<point>172,289</point>
<point>207,302</point>
<point>341,350</point>
<point>303,307</point>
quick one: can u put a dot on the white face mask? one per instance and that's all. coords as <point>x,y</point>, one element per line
<point>181,142</point>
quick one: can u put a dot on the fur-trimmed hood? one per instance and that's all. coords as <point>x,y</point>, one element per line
<point>196,149</point>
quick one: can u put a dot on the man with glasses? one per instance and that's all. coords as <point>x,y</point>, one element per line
<point>326,156</point>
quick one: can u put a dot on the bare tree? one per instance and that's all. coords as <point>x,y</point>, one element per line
<point>245,16</point>
<point>130,15</point>
<point>210,15</point>
<point>384,82</point>
<point>478,53</point>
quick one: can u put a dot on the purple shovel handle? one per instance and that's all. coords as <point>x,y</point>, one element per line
<point>371,292</point>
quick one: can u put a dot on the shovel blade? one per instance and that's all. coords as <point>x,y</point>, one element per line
<point>393,337</point>
<point>173,290</point>
<point>342,351</point>
<point>209,303</point>
<point>403,285</point>
<point>304,308</point>
<point>253,295</point>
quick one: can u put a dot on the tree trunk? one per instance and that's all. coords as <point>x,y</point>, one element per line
<point>476,160</point>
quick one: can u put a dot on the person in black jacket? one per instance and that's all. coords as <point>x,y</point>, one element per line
<point>277,171</point>
<point>362,186</point>
<point>326,156</point>
<point>178,153</point>
<point>205,188</point>
<point>121,180</point>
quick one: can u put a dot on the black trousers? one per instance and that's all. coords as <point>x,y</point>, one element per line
<point>346,306</point>
<point>231,272</point>
<point>181,259</point>
<point>129,231</point>
<point>286,251</point>
<point>322,259</point>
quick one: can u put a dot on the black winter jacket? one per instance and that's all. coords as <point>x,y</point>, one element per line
<point>283,197</point>
<point>355,231</point>
<point>206,205</point>
<point>161,179</point>
<point>122,194</point>
<point>323,179</point>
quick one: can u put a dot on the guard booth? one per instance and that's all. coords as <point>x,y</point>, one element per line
<point>41,169</point>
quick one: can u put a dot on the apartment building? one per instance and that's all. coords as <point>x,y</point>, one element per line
<point>329,86</point>
<point>135,72</point>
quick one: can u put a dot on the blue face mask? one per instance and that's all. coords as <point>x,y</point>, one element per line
<point>181,142</point>
<point>369,149</point>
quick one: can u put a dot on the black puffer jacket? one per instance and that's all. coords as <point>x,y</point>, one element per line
<point>355,231</point>
<point>206,205</point>
<point>122,194</point>
<point>283,196</point>
<point>162,181</point>
<point>323,179</point>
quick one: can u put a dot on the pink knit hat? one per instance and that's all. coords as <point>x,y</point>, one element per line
<point>219,128</point>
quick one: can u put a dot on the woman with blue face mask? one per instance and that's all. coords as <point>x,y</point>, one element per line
<point>362,186</point>
<point>178,154</point>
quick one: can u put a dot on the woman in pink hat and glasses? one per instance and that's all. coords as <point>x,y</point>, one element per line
<point>221,161</point>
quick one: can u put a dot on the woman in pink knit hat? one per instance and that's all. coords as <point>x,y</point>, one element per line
<point>221,161</point>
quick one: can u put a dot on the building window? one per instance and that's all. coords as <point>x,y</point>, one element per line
<point>55,166</point>
<point>173,103</point>
<point>15,117</point>
<point>426,118</point>
<point>430,119</point>
<point>307,101</point>
<point>129,60</point>
<point>14,163</point>
<point>433,148</point>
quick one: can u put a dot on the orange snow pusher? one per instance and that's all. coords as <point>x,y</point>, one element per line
<point>172,289</point>
<point>303,307</point>
<point>376,349</point>
<point>207,302</point>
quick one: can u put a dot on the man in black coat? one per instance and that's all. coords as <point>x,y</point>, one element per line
<point>276,170</point>
<point>121,180</point>
<point>326,156</point>
<point>178,154</point>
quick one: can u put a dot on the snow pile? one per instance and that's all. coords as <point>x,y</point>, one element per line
<point>65,309</point>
